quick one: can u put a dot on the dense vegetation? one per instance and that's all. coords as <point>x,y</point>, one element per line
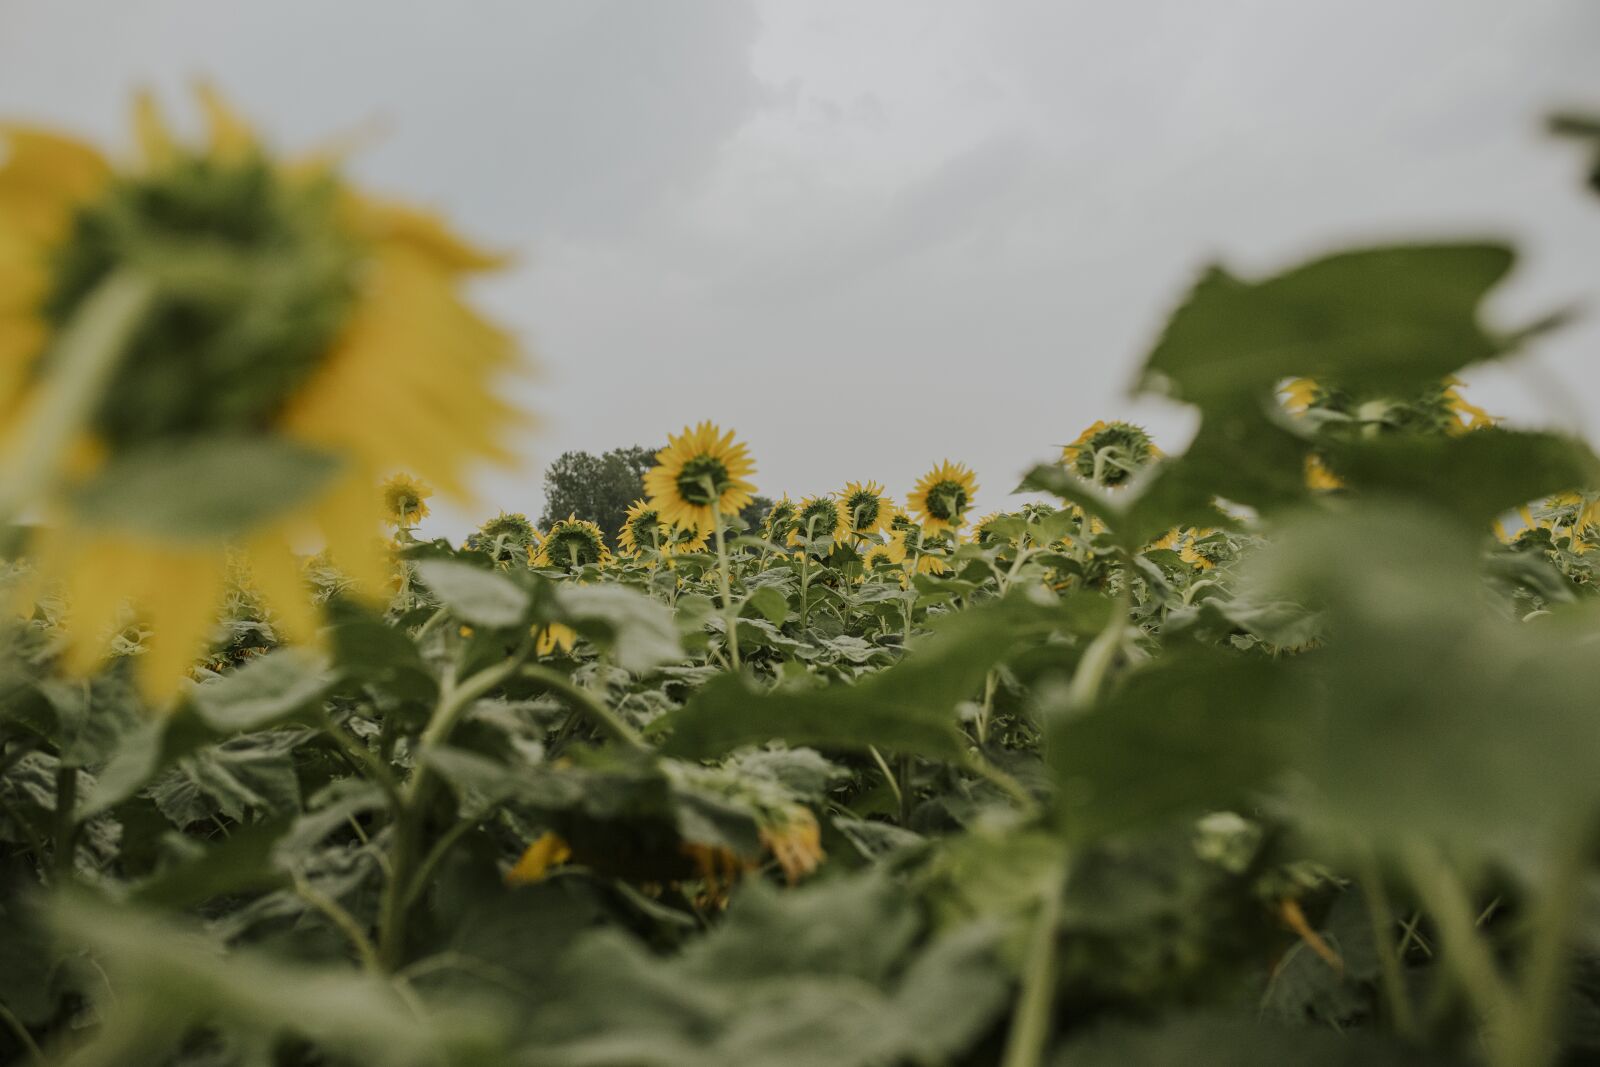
<point>1279,749</point>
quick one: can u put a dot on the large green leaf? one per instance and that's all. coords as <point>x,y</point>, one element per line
<point>1198,730</point>
<point>1477,475</point>
<point>165,979</point>
<point>908,708</point>
<point>476,595</point>
<point>1388,318</point>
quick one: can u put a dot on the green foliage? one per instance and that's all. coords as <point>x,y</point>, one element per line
<point>597,488</point>
<point>1217,766</point>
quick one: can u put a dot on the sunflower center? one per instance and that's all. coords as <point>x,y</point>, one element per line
<point>696,473</point>
<point>255,278</point>
<point>947,500</point>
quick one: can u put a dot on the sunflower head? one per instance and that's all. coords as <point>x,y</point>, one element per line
<point>816,519</point>
<point>572,544</point>
<point>864,508</point>
<point>985,537</point>
<point>642,528</point>
<point>506,537</point>
<point>700,467</point>
<point>780,521</point>
<point>944,495</point>
<point>1206,549</point>
<point>256,318</point>
<point>1108,453</point>
<point>405,500</point>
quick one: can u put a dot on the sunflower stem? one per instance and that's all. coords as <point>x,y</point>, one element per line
<point>1030,1023</point>
<point>729,615</point>
<point>80,366</point>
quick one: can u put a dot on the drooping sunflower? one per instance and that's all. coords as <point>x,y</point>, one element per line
<point>643,529</point>
<point>405,500</point>
<point>699,467</point>
<point>779,521</point>
<point>1108,453</point>
<point>817,518</point>
<point>864,508</point>
<point>987,538</point>
<point>507,537</point>
<point>571,544</point>
<point>944,495</point>
<point>260,336</point>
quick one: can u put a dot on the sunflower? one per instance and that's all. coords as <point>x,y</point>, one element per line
<point>817,518</point>
<point>1319,477</point>
<point>571,544</point>
<point>1205,549</point>
<point>1464,417</point>
<point>983,536</point>
<point>1298,395</point>
<point>205,305</point>
<point>779,520</point>
<point>405,500</point>
<point>1108,453</point>
<point>943,496</point>
<point>506,537</point>
<point>864,508</point>
<point>553,637</point>
<point>643,529</point>
<point>699,467</point>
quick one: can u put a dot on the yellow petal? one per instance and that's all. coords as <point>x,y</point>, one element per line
<point>230,136</point>
<point>156,143</point>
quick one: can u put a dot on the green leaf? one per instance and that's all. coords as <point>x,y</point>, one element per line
<point>203,491</point>
<point>638,632</point>
<point>475,595</point>
<point>168,978</point>
<point>1223,1041</point>
<point>1475,476</point>
<point>1387,318</point>
<point>1198,730</point>
<point>263,692</point>
<point>770,602</point>
<point>907,708</point>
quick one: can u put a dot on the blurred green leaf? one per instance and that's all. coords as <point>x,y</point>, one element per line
<point>263,692</point>
<point>1476,475</point>
<point>639,633</point>
<point>1388,318</point>
<point>476,595</point>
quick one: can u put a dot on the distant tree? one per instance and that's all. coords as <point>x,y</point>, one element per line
<point>597,488</point>
<point>753,512</point>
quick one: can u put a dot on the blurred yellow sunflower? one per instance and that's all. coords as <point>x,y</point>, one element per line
<point>244,344</point>
<point>944,495</point>
<point>1108,453</point>
<point>553,637</point>
<point>700,467</point>
<point>405,500</point>
<point>571,544</point>
<point>863,508</point>
<point>1319,477</point>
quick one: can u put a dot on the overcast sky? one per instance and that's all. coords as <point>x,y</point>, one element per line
<point>873,235</point>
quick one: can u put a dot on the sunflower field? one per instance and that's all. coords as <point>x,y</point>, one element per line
<point>1282,746</point>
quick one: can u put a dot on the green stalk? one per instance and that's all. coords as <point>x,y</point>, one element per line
<point>1532,1040</point>
<point>82,363</point>
<point>66,821</point>
<point>1098,657</point>
<point>608,720</point>
<point>729,615</point>
<point>398,892</point>
<point>1383,926</point>
<point>1030,1023</point>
